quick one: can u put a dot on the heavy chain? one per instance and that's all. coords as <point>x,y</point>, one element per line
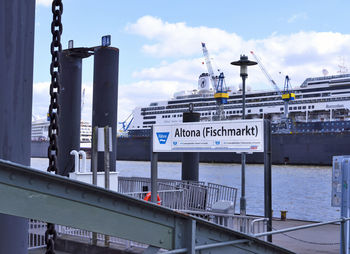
<point>50,238</point>
<point>55,48</point>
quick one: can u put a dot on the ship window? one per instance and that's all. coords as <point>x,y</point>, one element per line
<point>249,111</point>
<point>290,108</point>
<point>281,109</point>
<point>261,110</point>
<point>294,108</point>
<point>299,107</point>
<point>312,106</point>
<point>304,107</point>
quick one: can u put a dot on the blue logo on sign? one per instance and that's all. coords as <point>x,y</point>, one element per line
<point>175,143</point>
<point>217,142</point>
<point>162,137</point>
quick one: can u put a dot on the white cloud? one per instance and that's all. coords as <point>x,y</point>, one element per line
<point>297,16</point>
<point>300,55</point>
<point>177,46</point>
<point>178,39</point>
<point>44,2</point>
<point>142,93</point>
<point>41,100</point>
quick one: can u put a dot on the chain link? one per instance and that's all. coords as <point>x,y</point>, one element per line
<point>55,48</point>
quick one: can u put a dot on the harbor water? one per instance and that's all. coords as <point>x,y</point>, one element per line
<point>303,191</point>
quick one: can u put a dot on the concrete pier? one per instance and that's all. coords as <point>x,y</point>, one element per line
<point>315,240</point>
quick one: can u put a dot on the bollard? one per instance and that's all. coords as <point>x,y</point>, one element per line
<point>105,97</point>
<point>70,110</point>
<point>283,215</point>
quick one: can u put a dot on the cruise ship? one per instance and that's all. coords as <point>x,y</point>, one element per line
<point>321,105</point>
<point>318,126</point>
<point>40,128</point>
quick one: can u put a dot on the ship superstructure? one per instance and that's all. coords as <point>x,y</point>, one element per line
<point>40,131</point>
<point>321,99</point>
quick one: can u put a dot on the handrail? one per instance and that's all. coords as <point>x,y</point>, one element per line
<point>254,221</point>
<point>300,227</point>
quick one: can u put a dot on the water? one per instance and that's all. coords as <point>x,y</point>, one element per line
<point>304,191</point>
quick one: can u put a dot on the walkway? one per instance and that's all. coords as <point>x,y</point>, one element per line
<point>308,241</point>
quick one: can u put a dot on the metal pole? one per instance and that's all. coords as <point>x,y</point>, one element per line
<point>268,176</point>
<point>154,172</point>
<point>105,96</point>
<point>94,154</point>
<point>243,202</point>
<point>344,209</point>
<point>16,86</point>
<point>70,111</point>
<point>106,157</point>
<point>106,163</point>
<point>285,230</point>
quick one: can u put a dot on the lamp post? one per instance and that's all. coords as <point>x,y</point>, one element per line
<point>243,62</point>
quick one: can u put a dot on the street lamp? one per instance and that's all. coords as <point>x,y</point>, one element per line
<point>243,62</point>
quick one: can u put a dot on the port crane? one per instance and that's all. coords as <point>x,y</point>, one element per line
<point>126,123</point>
<point>286,95</point>
<point>219,85</point>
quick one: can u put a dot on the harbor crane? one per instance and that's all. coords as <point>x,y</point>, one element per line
<point>219,85</point>
<point>286,95</point>
<point>126,123</point>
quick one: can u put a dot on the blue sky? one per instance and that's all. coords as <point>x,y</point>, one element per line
<point>160,50</point>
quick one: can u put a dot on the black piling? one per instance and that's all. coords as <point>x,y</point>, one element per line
<point>105,97</point>
<point>190,161</point>
<point>16,86</point>
<point>70,110</point>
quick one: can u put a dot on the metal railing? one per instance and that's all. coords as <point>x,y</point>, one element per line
<point>198,195</point>
<point>63,230</point>
<point>36,234</point>
<point>246,224</point>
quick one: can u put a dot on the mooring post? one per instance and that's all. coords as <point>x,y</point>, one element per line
<point>105,96</point>
<point>16,89</point>
<point>190,160</point>
<point>268,176</point>
<point>70,110</point>
<point>154,171</point>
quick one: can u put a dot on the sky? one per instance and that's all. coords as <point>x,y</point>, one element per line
<point>160,44</point>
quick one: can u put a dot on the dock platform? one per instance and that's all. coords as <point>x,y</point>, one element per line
<point>323,239</point>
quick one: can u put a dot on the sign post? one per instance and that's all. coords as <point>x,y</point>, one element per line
<point>154,171</point>
<point>341,196</point>
<point>268,176</point>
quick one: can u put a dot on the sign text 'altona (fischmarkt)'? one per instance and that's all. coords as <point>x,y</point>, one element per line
<point>221,132</point>
<point>225,136</point>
